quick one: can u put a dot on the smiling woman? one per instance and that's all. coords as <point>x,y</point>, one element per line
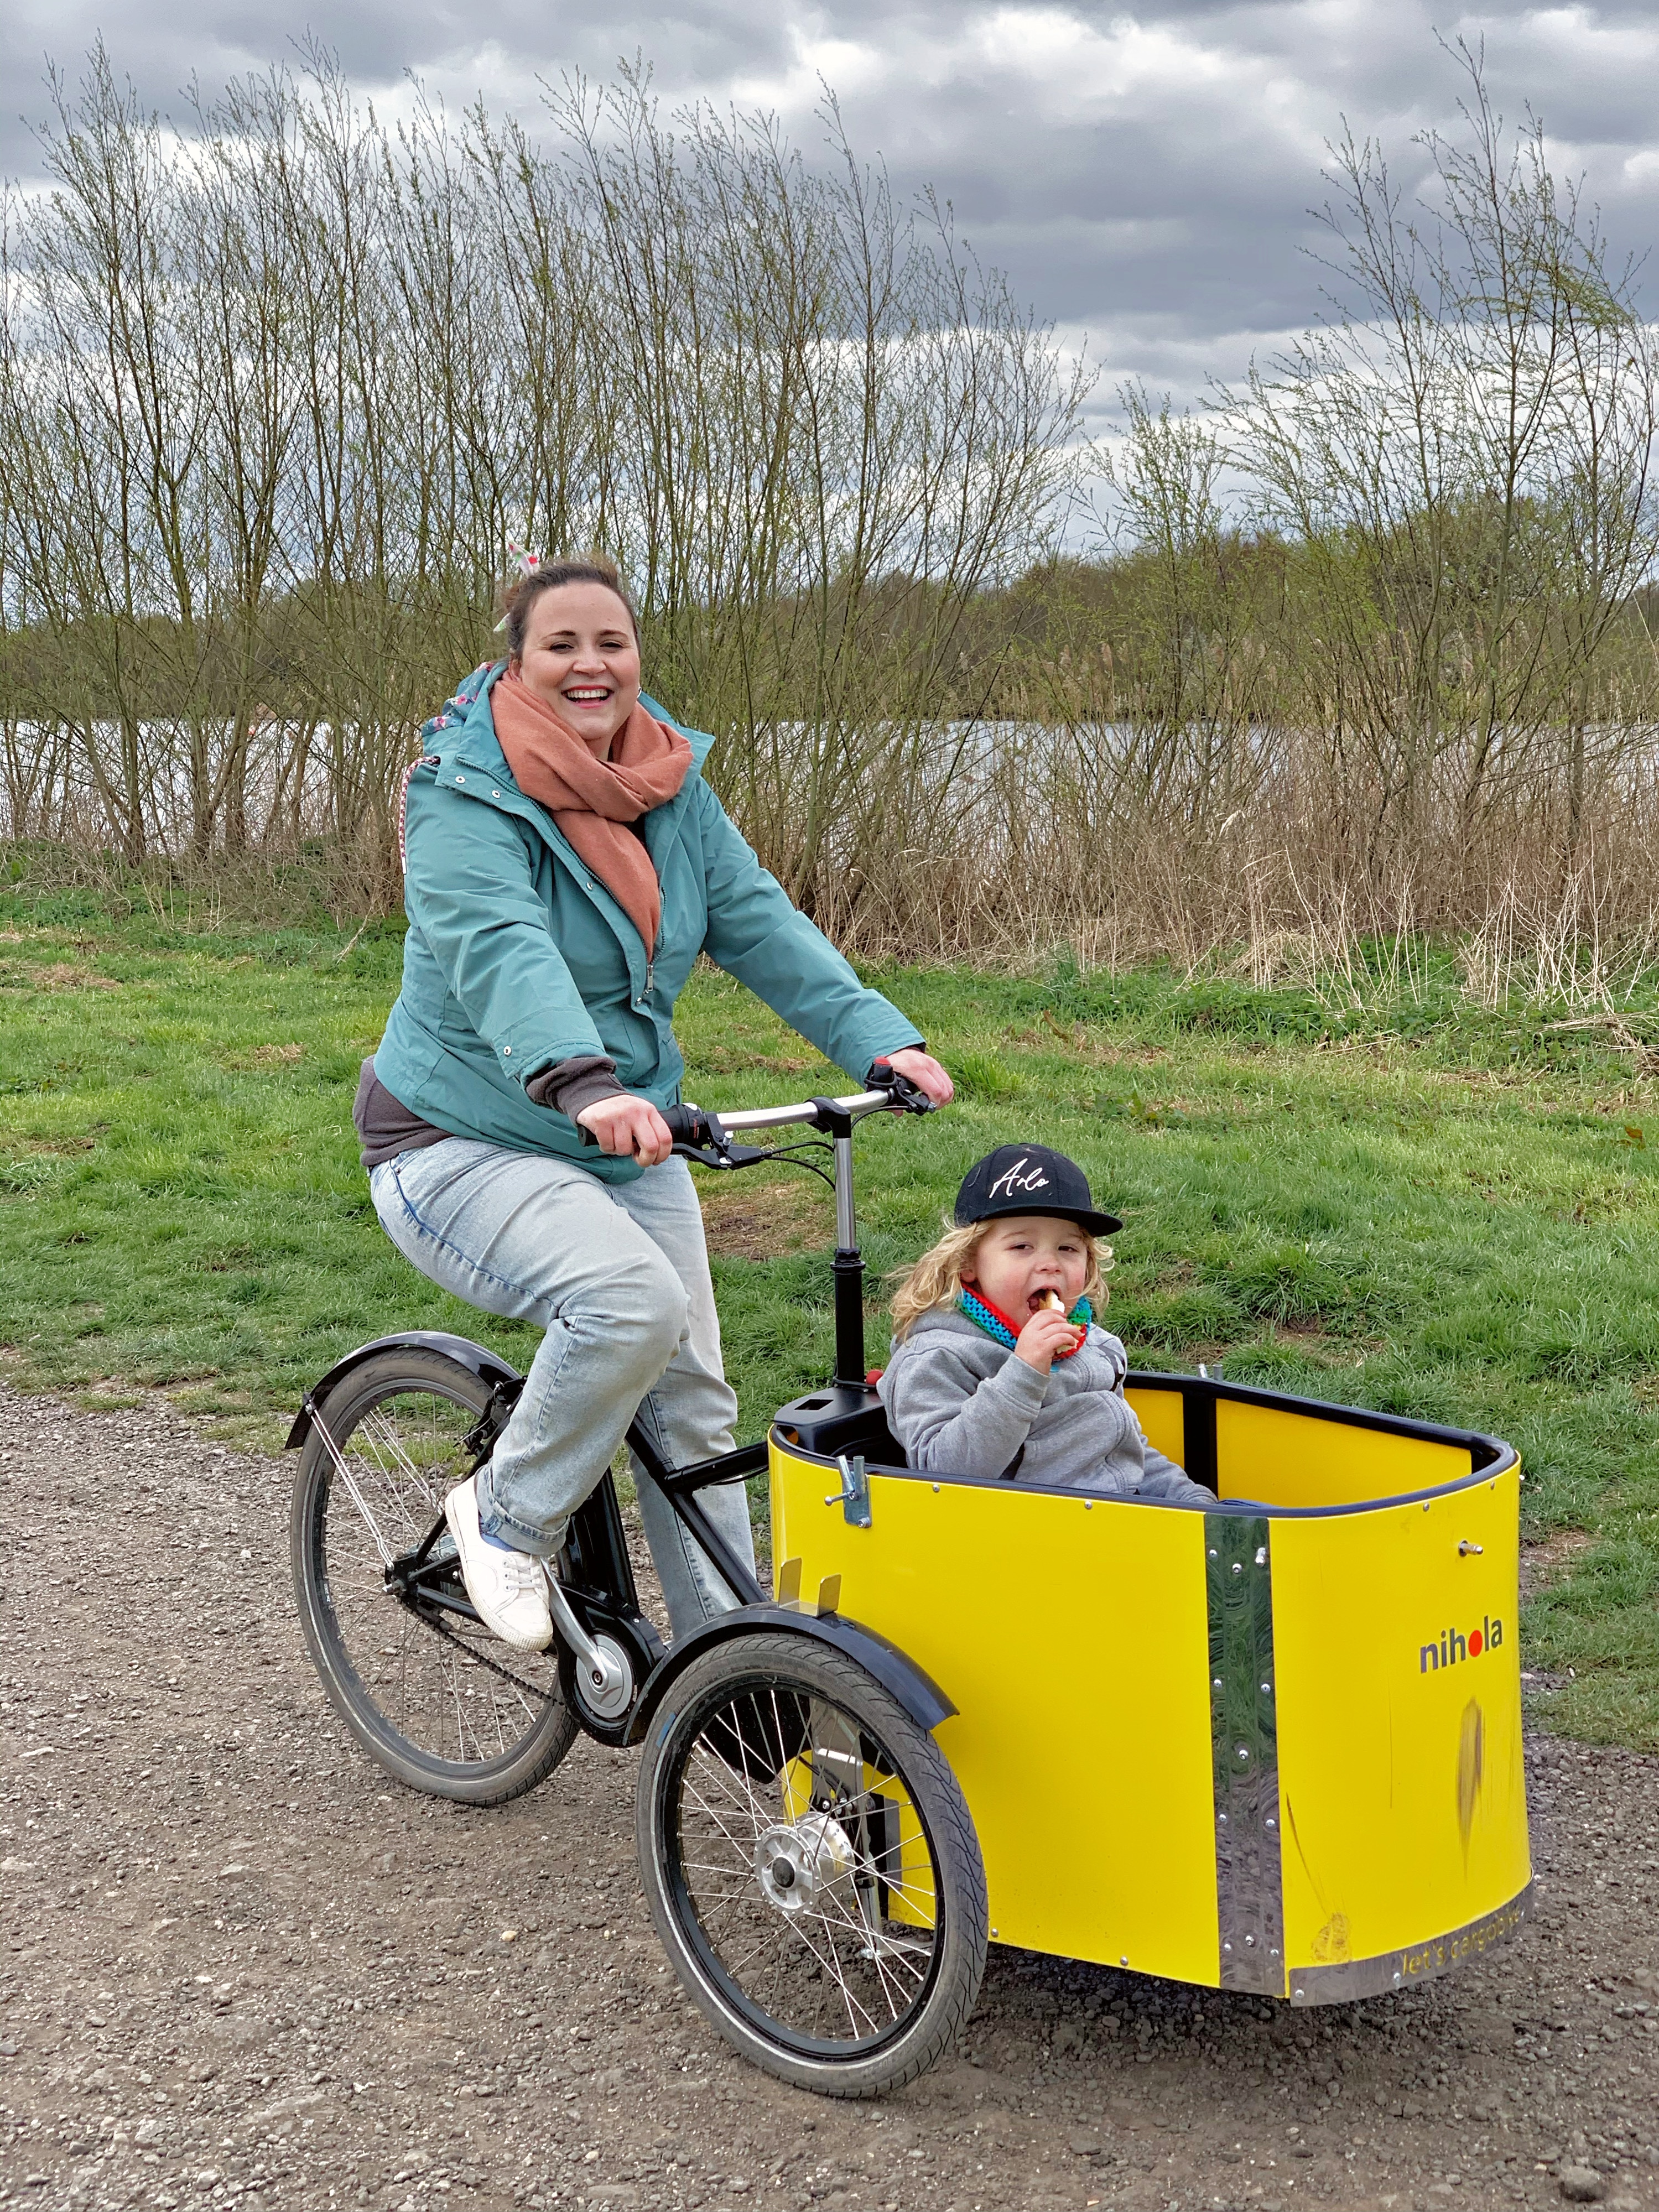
<point>580,650</point>
<point>568,718</point>
<point>566,864</point>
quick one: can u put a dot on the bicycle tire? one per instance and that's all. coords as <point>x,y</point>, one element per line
<point>785,1897</point>
<point>456,1713</point>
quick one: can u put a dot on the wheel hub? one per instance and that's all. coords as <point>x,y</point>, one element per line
<point>798,1861</point>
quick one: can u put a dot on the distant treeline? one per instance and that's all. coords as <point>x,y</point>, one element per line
<point>1365,647</point>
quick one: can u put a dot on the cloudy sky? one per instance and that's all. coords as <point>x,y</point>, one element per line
<point>1145,176</point>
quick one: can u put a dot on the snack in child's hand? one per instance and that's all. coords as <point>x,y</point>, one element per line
<point>1052,1302</point>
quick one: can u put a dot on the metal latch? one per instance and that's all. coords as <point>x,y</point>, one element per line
<point>854,1496</point>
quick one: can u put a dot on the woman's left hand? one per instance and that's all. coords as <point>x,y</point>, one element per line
<point>921,1068</point>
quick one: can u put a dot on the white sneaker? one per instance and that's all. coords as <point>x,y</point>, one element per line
<point>509,1588</point>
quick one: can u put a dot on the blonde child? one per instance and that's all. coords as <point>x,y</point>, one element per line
<point>997,1368</point>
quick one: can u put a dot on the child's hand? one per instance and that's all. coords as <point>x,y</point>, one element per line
<point>1043,1338</point>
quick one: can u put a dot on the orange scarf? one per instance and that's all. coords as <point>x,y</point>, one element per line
<point>591,797</point>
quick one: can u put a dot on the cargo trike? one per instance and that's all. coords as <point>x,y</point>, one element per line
<point>1273,1747</point>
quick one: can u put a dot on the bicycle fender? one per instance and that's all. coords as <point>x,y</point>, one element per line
<point>487,1365</point>
<point>917,1693</point>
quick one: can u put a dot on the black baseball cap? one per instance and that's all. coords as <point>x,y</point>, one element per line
<point>1029,1179</point>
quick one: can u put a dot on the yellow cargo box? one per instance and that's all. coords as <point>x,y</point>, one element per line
<point>1274,1748</point>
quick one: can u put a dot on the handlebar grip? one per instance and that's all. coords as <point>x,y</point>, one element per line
<point>883,1076</point>
<point>686,1122</point>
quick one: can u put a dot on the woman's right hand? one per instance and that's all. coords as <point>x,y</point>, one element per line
<point>631,1127</point>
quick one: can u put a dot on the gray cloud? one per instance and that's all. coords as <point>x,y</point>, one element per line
<point>1146,176</point>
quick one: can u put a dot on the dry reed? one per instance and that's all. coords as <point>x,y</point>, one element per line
<point>277,388</point>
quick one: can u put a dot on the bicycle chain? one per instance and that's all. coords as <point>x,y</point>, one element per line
<point>482,1657</point>
<point>480,1438</point>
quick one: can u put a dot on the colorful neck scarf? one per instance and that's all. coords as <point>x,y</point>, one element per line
<point>992,1319</point>
<point>594,799</point>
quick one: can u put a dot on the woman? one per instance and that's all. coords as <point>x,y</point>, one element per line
<point>565,864</point>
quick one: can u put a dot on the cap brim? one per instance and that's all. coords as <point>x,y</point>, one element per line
<point>1098,1224</point>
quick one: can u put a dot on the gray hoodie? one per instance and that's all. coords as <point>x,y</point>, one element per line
<point>961,1403</point>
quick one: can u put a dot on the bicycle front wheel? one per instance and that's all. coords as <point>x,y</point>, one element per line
<point>427,1690</point>
<point>811,1866</point>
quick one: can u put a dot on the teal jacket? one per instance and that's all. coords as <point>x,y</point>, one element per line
<point>517,957</point>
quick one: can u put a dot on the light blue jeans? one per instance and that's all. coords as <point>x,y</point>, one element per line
<point>617,1275</point>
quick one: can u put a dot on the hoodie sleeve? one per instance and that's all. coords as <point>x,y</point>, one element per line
<point>1162,1480</point>
<point>1160,1477</point>
<point>469,891</point>
<point>947,1419</point>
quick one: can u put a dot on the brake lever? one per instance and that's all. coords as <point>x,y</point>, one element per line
<point>733,1156</point>
<point>907,1098</point>
<point>705,1141</point>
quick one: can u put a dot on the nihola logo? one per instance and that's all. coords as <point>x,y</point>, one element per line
<point>1452,1645</point>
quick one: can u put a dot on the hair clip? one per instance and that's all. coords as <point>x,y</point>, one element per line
<point>523,562</point>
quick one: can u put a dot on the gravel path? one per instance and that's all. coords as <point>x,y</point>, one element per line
<point>238,1969</point>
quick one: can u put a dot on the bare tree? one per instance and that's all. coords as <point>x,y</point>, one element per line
<point>1365,648</point>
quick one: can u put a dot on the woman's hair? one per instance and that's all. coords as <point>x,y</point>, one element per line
<point>937,1277</point>
<point>522,593</point>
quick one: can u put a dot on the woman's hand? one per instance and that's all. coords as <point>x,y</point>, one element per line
<point>921,1068</point>
<point>628,1126</point>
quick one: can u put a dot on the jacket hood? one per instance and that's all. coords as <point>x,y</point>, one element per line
<point>948,1320</point>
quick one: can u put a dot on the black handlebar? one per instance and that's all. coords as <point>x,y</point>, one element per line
<point>686,1125</point>
<point>698,1134</point>
<point>907,1098</point>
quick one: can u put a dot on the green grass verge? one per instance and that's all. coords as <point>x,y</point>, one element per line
<point>1403,1204</point>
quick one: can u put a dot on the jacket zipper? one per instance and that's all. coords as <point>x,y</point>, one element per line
<point>650,957</point>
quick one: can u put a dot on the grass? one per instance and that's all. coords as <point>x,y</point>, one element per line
<point>1400,1203</point>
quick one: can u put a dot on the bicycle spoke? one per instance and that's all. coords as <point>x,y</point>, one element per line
<point>832,1966</point>
<point>442,1695</point>
<point>704,1806</point>
<point>376,1430</point>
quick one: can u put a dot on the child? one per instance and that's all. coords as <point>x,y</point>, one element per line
<point>993,1373</point>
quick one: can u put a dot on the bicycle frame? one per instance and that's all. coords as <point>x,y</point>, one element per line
<point>594,1598</point>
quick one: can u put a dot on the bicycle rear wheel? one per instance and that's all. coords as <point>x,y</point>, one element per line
<point>442,1704</point>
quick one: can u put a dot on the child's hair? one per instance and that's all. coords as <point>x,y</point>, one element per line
<point>937,1277</point>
